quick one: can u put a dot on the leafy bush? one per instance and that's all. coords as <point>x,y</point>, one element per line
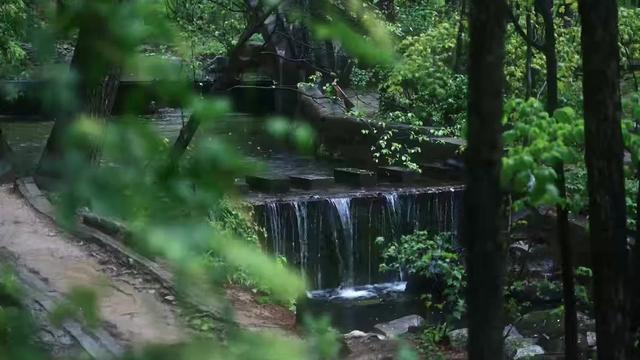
<point>13,19</point>
<point>435,258</point>
<point>535,144</point>
<point>423,83</point>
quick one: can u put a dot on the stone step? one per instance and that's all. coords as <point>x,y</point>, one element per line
<point>272,184</point>
<point>311,182</point>
<point>397,174</point>
<point>355,177</point>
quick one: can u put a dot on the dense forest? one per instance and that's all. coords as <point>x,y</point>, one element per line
<point>319,179</point>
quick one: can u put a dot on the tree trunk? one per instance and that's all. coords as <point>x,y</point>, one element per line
<point>635,290</point>
<point>7,171</point>
<point>545,8</point>
<point>568,278</point>
<point>485,257</point>
<point>457,62</point>
<point>96,89</point>
<point>605,177</point>
<point>529,59</point>
<point>187,133</point>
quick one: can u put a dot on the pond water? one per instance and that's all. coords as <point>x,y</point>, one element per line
<point>27,136</point>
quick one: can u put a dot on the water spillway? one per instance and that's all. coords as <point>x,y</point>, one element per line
<point>332,238</point>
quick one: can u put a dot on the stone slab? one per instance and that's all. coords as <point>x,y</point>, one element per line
<point>311,182</point>
<point>355,177</point>
<point>272,184</point>
<point>396,174</point>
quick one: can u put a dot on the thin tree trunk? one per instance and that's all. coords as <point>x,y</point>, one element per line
<point>635,275</point>
<point>485,257</point>
<point>457,62</point>
<point>529,58</point>
<point>187,133</point>
<point>545,8</point>
<point>7,171</point>
<point>568,278</point>
<point>605,176</point>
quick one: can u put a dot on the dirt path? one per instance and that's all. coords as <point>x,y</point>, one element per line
<point>250,314</point>
<point>133,309</point>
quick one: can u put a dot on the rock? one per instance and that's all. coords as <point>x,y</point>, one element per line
<point>399,326</point>
<point>357,334</point>
<point>458,339</point>
<point>585,323</point>
<point>415,329</point>
<point>547,323</point>
<point>591,339</point>
<point>528,352</point>
<point>514,344</point>
<point>369,347</point>
<point>510,331</point>
<point>537,258</point>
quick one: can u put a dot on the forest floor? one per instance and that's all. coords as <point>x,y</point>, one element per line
<point>135,308</point>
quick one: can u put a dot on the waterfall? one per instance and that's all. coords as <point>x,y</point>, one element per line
<point>332,239</point>
<point>302,223</point>
<point>392,202</point>
<point>274,229</point>
<point>342,208</point>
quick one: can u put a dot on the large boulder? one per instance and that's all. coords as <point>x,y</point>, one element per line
<point>399,326</point>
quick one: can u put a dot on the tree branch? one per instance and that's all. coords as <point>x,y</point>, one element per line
<point>516,24</point>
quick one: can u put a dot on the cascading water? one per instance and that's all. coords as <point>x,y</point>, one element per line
<point>275,230</point>
<point>300,208</point>
<point>393,208</point>
<point>332,239</point>
<point>342,208</point>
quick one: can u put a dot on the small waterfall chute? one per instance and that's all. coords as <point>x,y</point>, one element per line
<point>342,207</point>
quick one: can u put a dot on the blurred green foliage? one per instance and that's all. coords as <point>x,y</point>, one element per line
<point>535,144</point>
